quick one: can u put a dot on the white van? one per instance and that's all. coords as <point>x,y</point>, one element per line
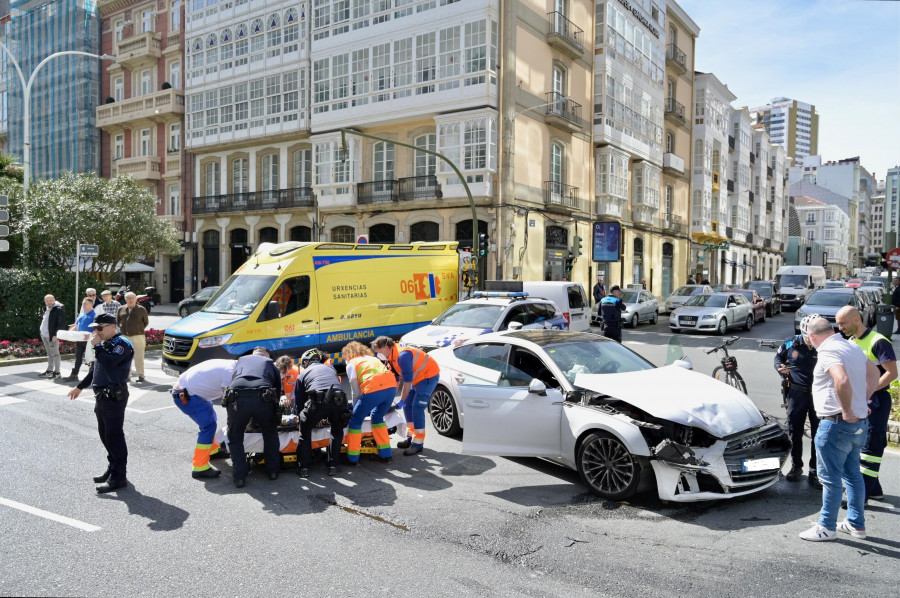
<point>796,283</point>
<point>569,297</point>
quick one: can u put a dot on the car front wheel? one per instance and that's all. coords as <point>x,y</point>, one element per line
<point>607,468</point>
<point>443,412</point>
<point>634,321</point>
<point>655,317</point>
<point>748,325</point>
<point>723,327</point>
<point>184,312</point>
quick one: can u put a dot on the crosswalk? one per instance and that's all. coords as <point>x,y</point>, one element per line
<point>147,397</point>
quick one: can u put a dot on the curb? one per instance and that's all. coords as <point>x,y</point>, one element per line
<point>67,357</point>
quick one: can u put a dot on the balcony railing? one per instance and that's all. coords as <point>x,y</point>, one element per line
<point>673,163</point>
<point>143,47</point>
<point>676,57</point>
<point>377,192</point>
<point>565,35</point>
<point>560,194</point>
<point>173,165</point>
<point>300,197</point>
<point>675,110</point>
<point>420,188</point>
<point>141,167</point>
<point>563,112</point>
<point>160,106</point>
<point>672,223</point>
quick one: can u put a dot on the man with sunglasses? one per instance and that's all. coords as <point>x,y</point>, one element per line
<point>108,377</point>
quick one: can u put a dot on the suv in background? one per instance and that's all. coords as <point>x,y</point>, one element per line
<point>486,312</point>
<point>768,290</point>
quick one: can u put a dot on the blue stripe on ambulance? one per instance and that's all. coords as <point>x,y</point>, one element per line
<point>322,261</point>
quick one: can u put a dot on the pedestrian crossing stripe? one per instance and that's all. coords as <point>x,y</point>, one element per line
<point>4,400</point>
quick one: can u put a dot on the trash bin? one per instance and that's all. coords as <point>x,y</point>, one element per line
<point>884,319</point>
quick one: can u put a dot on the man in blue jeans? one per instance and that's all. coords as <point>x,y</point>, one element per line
<point>843,380</point>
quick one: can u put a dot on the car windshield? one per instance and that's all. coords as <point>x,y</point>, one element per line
<point>630,296</point>
<point>595,357</point>
<point>793,280</point>
<point>763,288</point>
<point>748,293</point>
<point>686,291</point>
<point>240,294</point>
<point>470,315</point>
<point>706,301</point>
<point>827,299</point>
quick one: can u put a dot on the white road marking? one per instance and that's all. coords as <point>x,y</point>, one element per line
<point>4,400</point>
<point>51,516</point>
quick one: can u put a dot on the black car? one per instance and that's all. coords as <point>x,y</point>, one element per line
<point>189,305</point>
<point>768,290</point>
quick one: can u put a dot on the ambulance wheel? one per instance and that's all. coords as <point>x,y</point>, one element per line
<point>443,412</point>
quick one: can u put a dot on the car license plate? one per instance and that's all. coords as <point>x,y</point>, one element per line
<point>760,464</point>
<point>170,371</point>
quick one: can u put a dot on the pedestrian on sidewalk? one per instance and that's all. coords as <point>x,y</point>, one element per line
<point>92,295</point>
<point>82,324</point>
<point>133,321</point>
<point>842,382</point>
<point>109,305</point>
<point>53,319</point>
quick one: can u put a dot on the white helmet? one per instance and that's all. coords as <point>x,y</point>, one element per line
<point>805,322</point>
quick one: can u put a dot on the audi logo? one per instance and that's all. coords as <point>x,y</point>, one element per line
<point>748,443</point>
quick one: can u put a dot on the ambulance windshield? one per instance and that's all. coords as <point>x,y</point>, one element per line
<point>239,295</point>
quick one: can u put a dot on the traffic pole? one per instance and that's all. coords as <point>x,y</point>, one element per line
<point>77,270</point>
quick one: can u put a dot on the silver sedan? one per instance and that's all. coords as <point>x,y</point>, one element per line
<point>640,306</point>
<point>713,312</point>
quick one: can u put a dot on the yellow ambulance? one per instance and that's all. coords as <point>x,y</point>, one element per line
<point>290,297</point>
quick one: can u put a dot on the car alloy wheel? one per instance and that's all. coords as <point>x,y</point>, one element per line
<point>634,321</point>
<point>655,317</point>
<point>607,468</point>
<point>723,327</point>
<point>184,312</point>
<point>748,325</point>
<point>442,409</point>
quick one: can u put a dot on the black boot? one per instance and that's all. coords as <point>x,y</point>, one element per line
<point>404,443</point>
<point>99,479</point>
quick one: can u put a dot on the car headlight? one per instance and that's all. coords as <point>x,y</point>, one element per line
<point>708,317</point>
<point>214,341</point>
<point>800,314</point>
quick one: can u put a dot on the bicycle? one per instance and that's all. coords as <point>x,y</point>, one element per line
<point>727,372</point>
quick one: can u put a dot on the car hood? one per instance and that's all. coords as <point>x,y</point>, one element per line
<point>698,311</point>
<point>681,396</point>
<point>822,310</point>
<point>201,322</point>
<point>441,336</point>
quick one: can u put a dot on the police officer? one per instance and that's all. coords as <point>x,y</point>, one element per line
<point>317,396</point>
<point>193,394</point>
<point>109,379</point>
<point>611,308</point>
<point>796,358</point>
<point>878,349</point>
<point>253,394</point>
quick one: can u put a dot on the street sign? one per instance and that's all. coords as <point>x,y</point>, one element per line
<point>362,239</point>
<point>89,251</point>
<point>893,258</point>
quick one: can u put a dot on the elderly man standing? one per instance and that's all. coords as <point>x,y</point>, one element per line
<point>92,295</point>
<point>109,305</point>
<point>133,321</point>
<point>53,319</point>
<point>843,379</point>
<point>880,351</point>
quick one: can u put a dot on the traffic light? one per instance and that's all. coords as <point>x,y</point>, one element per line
<point>576,246</point>
<point>483,242</point>
<point>569,261</point>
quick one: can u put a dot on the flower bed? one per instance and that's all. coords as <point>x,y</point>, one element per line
<point>33,347</point>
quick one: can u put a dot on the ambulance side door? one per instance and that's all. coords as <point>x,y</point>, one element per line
<point>297,323</point>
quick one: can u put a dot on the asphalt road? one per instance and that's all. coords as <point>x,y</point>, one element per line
<point>443,524</point>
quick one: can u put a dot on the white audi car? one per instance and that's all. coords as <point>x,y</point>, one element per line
<point>592,405</point>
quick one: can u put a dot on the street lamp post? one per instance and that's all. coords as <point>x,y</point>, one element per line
<point>26,134</point>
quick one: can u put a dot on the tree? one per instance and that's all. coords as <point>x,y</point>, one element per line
<point>118,215</point>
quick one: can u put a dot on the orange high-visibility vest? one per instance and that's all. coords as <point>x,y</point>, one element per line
<point>289,379</point>
<point>424,367</point>
<point>371,374</point>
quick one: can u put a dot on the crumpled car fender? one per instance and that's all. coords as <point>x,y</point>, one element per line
<point>582,420</point>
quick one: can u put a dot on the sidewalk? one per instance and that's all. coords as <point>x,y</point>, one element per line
<point>166,309</point>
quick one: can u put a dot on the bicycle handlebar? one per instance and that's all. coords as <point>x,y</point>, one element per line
<point>725,343</point>
<point>771,344</point>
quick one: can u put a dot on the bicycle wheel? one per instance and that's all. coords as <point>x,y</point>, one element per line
<point>734,379</point>
<point>719,374</point>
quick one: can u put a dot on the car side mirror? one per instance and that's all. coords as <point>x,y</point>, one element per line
<point>272,310</point>
<point>514,325</point>
<point>537,387</point>
<point>732,304</point>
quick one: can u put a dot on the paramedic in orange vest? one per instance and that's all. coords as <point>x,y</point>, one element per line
<point>289,372</point>
<point>419,374</point>
<point>373,387</point>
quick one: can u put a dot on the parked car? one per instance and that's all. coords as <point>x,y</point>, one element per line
<point>853,283</point>
<point>874,284</point>
<point>713,312</point>
<point>769,291</point>
<point>826,303</point>
<point>195,302</point>
<point>756,302</point>
<point>835,284</point>
<point>486,312</point>
<point>683,293</point>
<point>581,401</point>
<point>640,306</point>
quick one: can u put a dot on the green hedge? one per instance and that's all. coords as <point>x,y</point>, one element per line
<point>22,299</point>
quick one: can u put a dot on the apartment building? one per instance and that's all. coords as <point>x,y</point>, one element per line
<point>892,208</point>
<point>841,261</point>
<point>877,242</point>
<point>829,226</point>
<point>63,94</point>
<point>141,120</point>
<point>792,124</point>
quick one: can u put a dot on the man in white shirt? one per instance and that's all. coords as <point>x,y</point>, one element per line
<point>194,393</point>
<point>843,380</point>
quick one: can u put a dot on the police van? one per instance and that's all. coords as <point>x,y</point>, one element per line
<point>290,297</point>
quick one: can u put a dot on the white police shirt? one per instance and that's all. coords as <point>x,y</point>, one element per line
<point>208,379</point>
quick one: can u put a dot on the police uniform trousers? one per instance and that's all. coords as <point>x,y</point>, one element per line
<point>800,407</point>
<point>110,412</point>
<point>317,412</point>
<point>247,406</point>
<point>871,454</point>
<point>613,332</point>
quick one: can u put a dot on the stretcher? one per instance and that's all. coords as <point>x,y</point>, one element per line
<point>289,436</point>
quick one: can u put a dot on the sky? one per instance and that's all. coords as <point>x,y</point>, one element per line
<point>842,56</point>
